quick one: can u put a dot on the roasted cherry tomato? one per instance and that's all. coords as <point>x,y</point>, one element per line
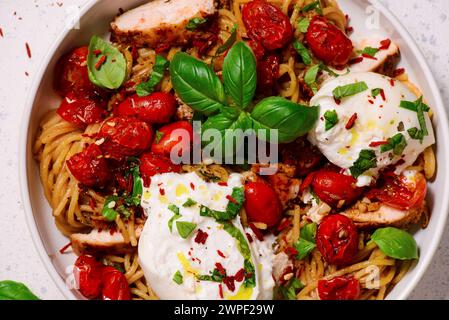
<point>177,135</point>
<point>267,24</point>
<point>115,285</point>
<point>400,192</point>
<point>156,108</point>
<point>267,72</point>
<point>262,203</point>
<point>337,239</point>
<point>71,73</point>
<point>151,164</point>
<point>302,155</point>
<point>82,110</point>
<point>328,43</point>
<point>125,137</point>
<point>332,187</point>
<point>339,288</point>
<point>258,49</point>
<point>88,275</point>
<point>89,167</point>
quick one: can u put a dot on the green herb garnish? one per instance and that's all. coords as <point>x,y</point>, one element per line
<point>194,23</point>
<point>313,6</point>
<point>306,242</point>
<point>177,277</point>
<point>349,90</point>
<point>368,51</point>
<point>303,25</point>
<point>367,160</point>
<point>303,52</point>
<point>290,290</point>
<point>376,92</point>
<point>173,208</point>
<point>159,68</point>
<point>185,228</point>
<point>189,203</point>
<point>397,143</point>
<point>331,119</point>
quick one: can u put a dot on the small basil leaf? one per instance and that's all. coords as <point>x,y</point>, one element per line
<point>189,203</point>
<point>177,277</point>
<point>310,77</point>
<point>292,120</point>
<point>239,74</point>
<point>173,208</point>
<point>370,51</point>
<point>196,84</point>
<point>303,25</point>
<point>289,291</point>
<point>160,66</point>
<point>108,210</point>
<point>185,228</point>
<point>308,232</point>
<point>349,90</point>
<point>303,52</point>
<point>366,160</point>
<point>331,119</point>
<point>112,72</point>
<point>396,243</point>
<point>12,290</point>
<point>304,248</point>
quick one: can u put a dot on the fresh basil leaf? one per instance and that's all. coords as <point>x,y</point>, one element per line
<point>160,66</point>
<point>196,84</point>
<point>375,92</point>
<point>108,208</point>
<point>136,196</point>
<point>292,120</point>
<point>313,6</point>
<point>239,74</point>
<point>185,228</point>
<point>367,160</point>
<point>308,232</point>
<point>310,77</point>
<point>303,52</point>
<point>232,209</point>
<point>12,290</point>
<point>177,277</point>
<point>413,106</point>
<point>397,143</point>
<point>415,133</point>
<point>189,203</point>
<point>303,25</point>
<point>194,23</point>
<point>304,248</point>
<point>289,291</point>
<point>229,42</point>
<point>112,72</point>
<point>396,243</point>
<point>349,90</point>
<point>331,119</point>
<point>421,118</point>
<point>173,208</point>
<point>370,51</point>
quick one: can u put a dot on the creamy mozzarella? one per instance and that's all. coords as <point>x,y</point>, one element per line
<point>377,121</point>
<point>163,252</point>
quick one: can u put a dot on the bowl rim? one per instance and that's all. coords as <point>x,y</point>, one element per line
<point>25,126</point>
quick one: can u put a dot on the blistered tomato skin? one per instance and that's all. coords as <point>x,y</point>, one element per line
<point>267,72</point>
<point>152,164</point>
<point>267,24</point>
<point>71,74</point>
<point>257,48</point>
<point>82,110</point>
<point>125,137</point>
<point>177,135</point>
<point>262,203</point>
<point>89,167</point>
<point>156,108</point>
<point>88,275</point>
<point>337,239</point>
<point>339,288</point>
<point>333,187</point>
<point>328,43</point>
<point>115,285</point>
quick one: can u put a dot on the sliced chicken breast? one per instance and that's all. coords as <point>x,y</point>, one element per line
<point>160,22</point>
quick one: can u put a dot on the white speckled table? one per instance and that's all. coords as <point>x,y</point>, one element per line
<point>38,22</point>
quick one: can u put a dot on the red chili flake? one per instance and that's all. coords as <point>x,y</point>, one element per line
<point>356,60</point>
<point>385,44</point>
<point>26,73</point>
<point>231,199</point>
<point>351,121</point>
<point>283,225</point>
<point>257,232</point>
<point>240,275</point>
<point>291,251</point>
<point>382,94</point>
<point>28,50</point>
<point>223,184</point>
<point>220,291</point>
<point>229,282</point>
<point>250,239</point>
<point>381,106</point>
<point>337,101</point>
<point>63,249</point>
<point>375,144</point>
<point>368,56</point>
<point>392,82</point>
<point>162,191</point>
<point>100,62</point>
<point>221,254</point>
<point>322,118</point>
<point>96,52</point>
<point>1,32</point>
<point>220,269</point>
<point>201,237</point>
<point>371,101</point>
<point>398,72</point>
<point>192,186</point>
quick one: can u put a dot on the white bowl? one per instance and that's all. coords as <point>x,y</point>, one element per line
<point>95,19</point>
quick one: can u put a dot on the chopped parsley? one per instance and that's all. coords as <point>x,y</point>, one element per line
<point>185,228</point>
<point>303,25</point>
<point>189,203</point>
<point>367,160</point>
<point>303,52</point>
<point>370,51</point>
<point>349,90</point>
<point>331,119</point>
<point>194,23</point>
<point>177,277</point>
<point>397,143</point>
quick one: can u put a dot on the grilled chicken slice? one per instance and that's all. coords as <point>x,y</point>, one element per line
<point>160,22</point>
<point>99,242</point>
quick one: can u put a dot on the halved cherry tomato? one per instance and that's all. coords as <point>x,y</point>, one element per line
<point>328,43</point>
<point>115,285</point>
<point>267,72</point>
<point>267,24</point>
<point>82,110</point>
<point>337,239</point>
<point>400,192</point>
<point>332,187</point>
<point>258,49</point>
<point>262,203</point>
<point>151,164</point>
<point>71,73</point>
<point>89,167</point>
<point>169,139</point>
<point>339,288</point>
<point>302,155</point>
<point>125,137</point>
<point>88,275</point>
<point>156,108</point>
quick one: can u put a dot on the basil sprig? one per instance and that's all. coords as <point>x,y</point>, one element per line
<point>396,243</point>
<point>306,243</point>
<point>160,66</point>
<point>349,90</point>
<point>367,160</point>
<point>12,290</point>
<point>106,64</point>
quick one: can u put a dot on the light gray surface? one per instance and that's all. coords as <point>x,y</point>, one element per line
<point>38,22</point>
